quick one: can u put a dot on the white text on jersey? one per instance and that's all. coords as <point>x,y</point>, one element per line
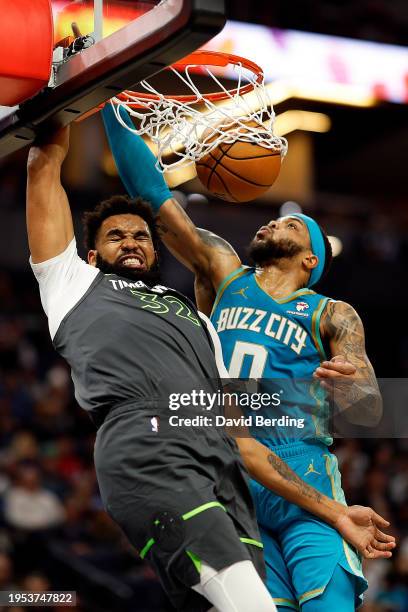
<point>275,326</point>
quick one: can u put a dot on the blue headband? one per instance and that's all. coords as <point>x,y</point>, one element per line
<point>317,244</point>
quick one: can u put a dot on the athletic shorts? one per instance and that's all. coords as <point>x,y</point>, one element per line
<point>181,496</point>
<point>302,552</point>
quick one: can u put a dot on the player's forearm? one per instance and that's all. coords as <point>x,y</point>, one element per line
<point>49,220</point>
<point>268,469</point>
<point>182,237</point>
<point>135,162</point>
<point>356,394</point>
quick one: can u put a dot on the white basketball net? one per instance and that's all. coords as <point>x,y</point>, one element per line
<point>184,132</point>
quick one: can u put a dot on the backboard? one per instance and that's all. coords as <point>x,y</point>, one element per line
<point>117,44</point>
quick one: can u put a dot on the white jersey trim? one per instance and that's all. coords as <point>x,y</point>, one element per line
<point>222,370</point>
<point>63,282</point>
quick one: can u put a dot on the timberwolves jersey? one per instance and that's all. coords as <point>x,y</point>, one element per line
<point>276,341</point>
<point>128,341</point>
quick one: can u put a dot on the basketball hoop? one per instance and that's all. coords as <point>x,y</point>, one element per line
<point>187,127</point>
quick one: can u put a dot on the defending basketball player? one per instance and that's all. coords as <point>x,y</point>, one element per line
<point>255,313</point>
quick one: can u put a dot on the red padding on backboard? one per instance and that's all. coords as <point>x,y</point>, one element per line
<point>26,47</point>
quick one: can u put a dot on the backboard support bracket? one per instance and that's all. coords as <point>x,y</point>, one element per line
<point>88,79</point>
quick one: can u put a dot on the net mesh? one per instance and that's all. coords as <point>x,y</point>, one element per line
<point>184,129</point>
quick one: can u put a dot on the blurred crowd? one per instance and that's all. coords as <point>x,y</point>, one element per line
<point>377,20</point>
<point>54,534</point>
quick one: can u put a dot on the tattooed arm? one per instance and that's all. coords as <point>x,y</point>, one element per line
<point>359,525</point>
<point>207,255</point>
<point>349,375</point>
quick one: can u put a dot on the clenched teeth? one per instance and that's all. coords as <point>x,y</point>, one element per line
<point>132,261</point>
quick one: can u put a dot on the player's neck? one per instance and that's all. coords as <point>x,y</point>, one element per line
<point>279,279</point>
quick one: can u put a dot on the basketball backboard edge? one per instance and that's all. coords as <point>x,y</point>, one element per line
<point>142,48</point>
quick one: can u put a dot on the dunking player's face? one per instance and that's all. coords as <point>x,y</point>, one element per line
<point>124,247</point>
<point>286,237</point>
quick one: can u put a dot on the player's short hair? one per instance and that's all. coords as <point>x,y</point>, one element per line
<point>117,205</point>
<point>329,254</point>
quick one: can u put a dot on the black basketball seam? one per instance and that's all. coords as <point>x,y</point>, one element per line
<point>242,178</point>
<point>200,163</point>
<point>219,162</point>
<point>255,157</point>
<point>225,187</point>
<point>215,166</point>
<point>218,176</point>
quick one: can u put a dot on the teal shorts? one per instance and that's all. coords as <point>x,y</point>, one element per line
<point>302,552</point>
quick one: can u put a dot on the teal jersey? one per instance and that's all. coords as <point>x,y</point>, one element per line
<point>276,341</point>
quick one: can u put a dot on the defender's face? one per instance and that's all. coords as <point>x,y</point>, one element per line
<point>125,241</point>
<point>284,229</point>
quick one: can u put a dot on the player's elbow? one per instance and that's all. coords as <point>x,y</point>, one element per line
<point>247,449</point>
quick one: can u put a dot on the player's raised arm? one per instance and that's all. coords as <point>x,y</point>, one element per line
<point>49,220</point>
<point>349,375</point>
<point>203,252</point>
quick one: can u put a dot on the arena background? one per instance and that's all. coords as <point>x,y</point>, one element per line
<point>353,179</point>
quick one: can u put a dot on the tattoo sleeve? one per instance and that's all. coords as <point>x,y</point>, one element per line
<point>183,221</point>
<point>361,397</point>
<point>284,470</point>
<point>215,242</point>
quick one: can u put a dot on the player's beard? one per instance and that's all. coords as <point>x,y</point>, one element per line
<point>267,251</point>
<point>150,277</point>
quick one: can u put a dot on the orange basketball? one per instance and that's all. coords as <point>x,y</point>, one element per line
<point>239,171</point>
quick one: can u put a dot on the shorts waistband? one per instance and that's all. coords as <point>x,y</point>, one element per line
<point>107,412</point>
<point>297,449</point>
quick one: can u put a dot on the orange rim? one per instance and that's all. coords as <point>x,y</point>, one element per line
<point>202,58</point>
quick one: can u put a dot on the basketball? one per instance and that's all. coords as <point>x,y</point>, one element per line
<point>239,171</point>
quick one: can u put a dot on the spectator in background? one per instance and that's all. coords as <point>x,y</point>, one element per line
<point>36,583</point>
<point>6,573</point>
<point>28,506</point>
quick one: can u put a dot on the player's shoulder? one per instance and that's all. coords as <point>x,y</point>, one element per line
<point>338,306</point>
<point>68,257</point>
<point>239,271</point>
<point>337,314</point>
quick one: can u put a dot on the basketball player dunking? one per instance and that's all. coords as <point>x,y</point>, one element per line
<point>272,325</point>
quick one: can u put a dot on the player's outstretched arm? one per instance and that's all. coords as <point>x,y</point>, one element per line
<point>359,525</point>
<point>49,220</point>
<point>203,252</point>
<point>349,375</point>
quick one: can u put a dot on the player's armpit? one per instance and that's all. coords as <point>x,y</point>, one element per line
<point>354,391</point>
<point>203,252</point>
<point>360,526</point>
<point>49,220</point>
<point>204,294</point>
